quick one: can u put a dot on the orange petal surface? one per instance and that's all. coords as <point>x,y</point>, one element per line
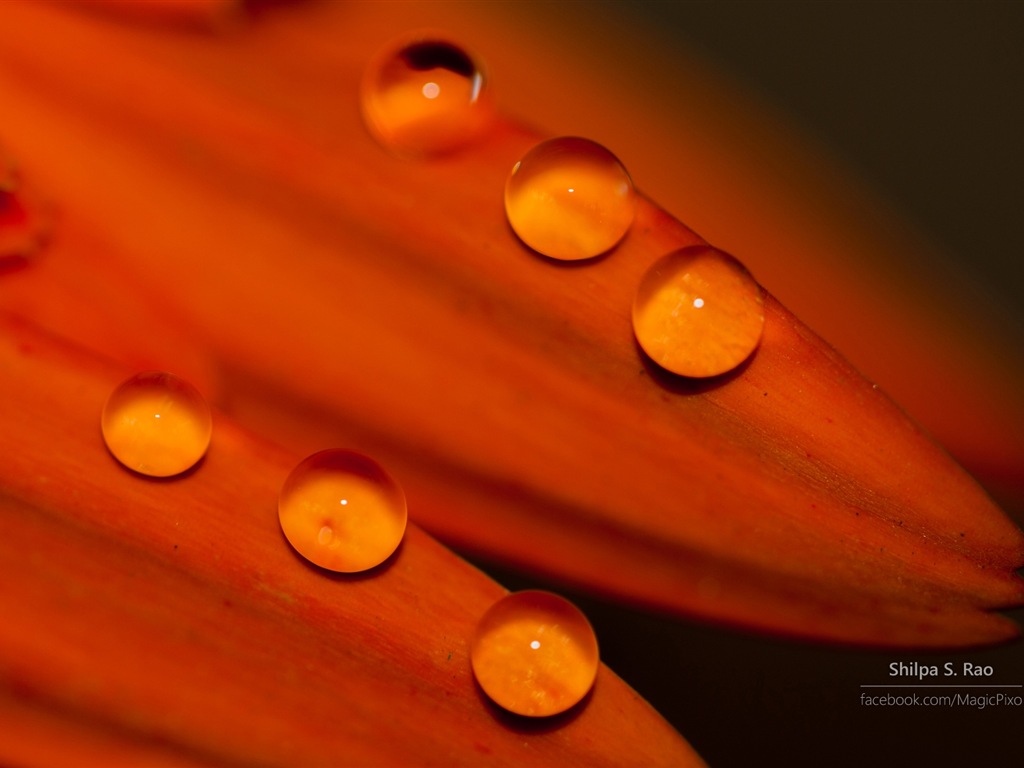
<point>168,622</point>
<point>351,295</point>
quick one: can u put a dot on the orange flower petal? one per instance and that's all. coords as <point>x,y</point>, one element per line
<point>356,296</point>
<point>169,622</point>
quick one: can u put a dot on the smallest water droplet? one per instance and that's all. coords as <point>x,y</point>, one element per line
<point>342,511</point>
<point>698,312</point>
<point>425,96</point>
<point>570,198</point>
<point>534,654</point>
<point>157,424</point>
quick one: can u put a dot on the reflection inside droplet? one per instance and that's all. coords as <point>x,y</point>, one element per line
<point>709,342</point>
<point>425,97</point>
<point>534,653</point>
<point>569,198</point>
<point>157,424</point>
<point>342,511</point>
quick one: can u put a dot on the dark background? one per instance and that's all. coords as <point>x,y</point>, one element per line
<point>924,101</point>
<point>744,700</point>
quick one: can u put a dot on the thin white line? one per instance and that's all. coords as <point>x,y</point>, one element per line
<point>942,686</point>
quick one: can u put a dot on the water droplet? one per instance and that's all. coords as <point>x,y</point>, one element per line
<point>569,199</point>
<point>157,424</point>
<point>534,653</point>
<point>425,97</point>
<point>698,312</point>
<point>342,511</point>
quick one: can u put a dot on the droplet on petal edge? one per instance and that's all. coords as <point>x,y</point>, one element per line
<point>535,654</point>
<point>342,511</point>
<point>570,198</point>
<point>157,424</point>
<point>425,96</point>
<point>698,312</point>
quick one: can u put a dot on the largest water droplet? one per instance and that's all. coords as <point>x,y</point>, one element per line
<point>424,97</point>
<point>342,511</point>
<point>698,312</point>
<point>534,653</point>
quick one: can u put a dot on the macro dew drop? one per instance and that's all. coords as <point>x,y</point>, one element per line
<point>570,198</point>
<point>698,312</point>
<point>534,653</point>
<point>157,424</point>
<point>342,511</point>
<point>425,97</point>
